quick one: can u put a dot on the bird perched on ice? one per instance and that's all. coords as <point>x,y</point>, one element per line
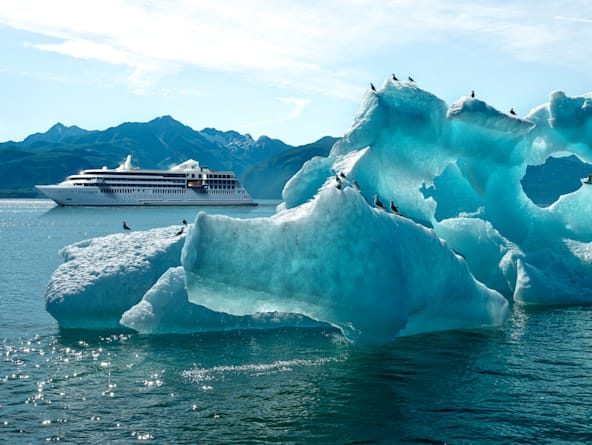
<point>180,232</point>
<point>355,185</point>
<point>338,181</point>
<point>395,77</point>
<point>411,79</point>
<point>378,203</point>
<point>342,175</point>
<point>125,226</point>
<point>473,94</point>
<point>512,112</point>
<point>373,87</point>
<point>184,222</point>
<point>394,208</point>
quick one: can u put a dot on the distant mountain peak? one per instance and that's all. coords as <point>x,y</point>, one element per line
<point>56,133</point>
<point>165,118</point>
<point>57,127</point>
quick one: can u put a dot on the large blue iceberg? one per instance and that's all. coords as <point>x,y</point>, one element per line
<point>457,239</point>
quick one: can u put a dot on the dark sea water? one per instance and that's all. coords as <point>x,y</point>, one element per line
<point>529,381</point>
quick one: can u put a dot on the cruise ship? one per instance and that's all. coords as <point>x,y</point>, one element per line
<point>186,184</point>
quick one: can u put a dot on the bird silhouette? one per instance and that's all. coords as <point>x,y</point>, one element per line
<point>184,222</point>
<point>512,112</point>
<point>355,185</point>
<point>378,203</point>
<point>472,93</point>
<point>125,226</point>
<point>411,79</point>
<point>394,77</point>
<point>373,87</point>
<point>180,232</point>
<point>394,208</point>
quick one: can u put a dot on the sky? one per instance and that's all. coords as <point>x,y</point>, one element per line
<point>291,70</point>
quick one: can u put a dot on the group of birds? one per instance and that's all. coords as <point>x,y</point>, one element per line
<point>395,78</point>
<point>341,177</point>
<point>378,204</point>
<point>179,233</point>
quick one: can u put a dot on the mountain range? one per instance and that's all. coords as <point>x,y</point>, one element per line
<point>264,165</point>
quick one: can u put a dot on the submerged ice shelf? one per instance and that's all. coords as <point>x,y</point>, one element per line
<point>470,240</point>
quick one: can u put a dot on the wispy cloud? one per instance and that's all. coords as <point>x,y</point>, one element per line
<point>575,19</point>
<point>87,49</point>
<point>296,106</point>
<point>295,43</point>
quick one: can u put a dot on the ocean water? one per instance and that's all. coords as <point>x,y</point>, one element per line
<point>529,381</point>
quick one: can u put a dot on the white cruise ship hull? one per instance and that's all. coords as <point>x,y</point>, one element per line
<point>187,184</point>
<point>94,196</point>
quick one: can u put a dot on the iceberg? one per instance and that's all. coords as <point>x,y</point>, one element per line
<point>459,171</point>
<point>459,240</point>
<point>103,277</point>
<point>370,273</point>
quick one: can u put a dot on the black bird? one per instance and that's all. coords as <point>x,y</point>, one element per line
<point>338,185</point>
<point>394,208</point>
<point>180,232</point>
<point>394,77</point>
<point>184,222</point>
<point>125,226</point>
<point>355,185</point>
<point>473,94</point>
<point>377,202</point>
<point>338,179</point>
<point>411,79</point>
<point>372,86</point>
<point>342,175</point>
<point>512,112</point>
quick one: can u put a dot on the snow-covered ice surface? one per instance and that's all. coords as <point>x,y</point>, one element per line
<point>466,234</point>
<point>103,277</point>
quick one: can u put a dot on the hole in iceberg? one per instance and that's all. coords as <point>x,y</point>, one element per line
<point>545,183</point>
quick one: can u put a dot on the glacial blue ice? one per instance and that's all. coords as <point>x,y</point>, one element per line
<point>371,273</point>
<point>458,170</point>
<point>467,238</point>
<point>166,309</point>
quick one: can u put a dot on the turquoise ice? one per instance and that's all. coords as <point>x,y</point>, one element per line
<point>465,238</point>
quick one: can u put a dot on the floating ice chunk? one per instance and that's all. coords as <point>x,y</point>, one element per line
<point>103,277</point>
<point>166,309</point>
<point>339,260</point>
<point>330,256</point>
